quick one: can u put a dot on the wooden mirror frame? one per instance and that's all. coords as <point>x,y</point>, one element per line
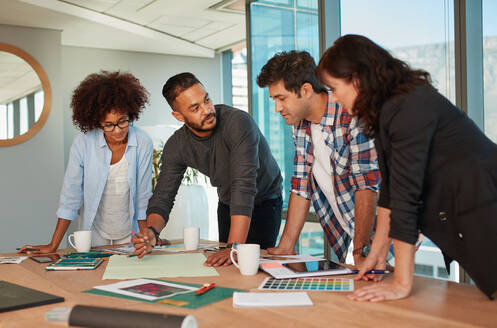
<point>47,91</point>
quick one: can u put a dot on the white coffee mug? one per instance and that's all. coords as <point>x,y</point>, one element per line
<point>248,258</point>
<point>82,240</point>
<point>191,237</point>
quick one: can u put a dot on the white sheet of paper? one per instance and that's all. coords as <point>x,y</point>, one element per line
<point>289,258</point>
<point>241,299</point>
<point>178,248</point>
<point>134,288</point>
<point>12,259</point>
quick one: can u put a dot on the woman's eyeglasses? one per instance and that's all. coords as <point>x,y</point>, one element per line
<point>109,127</point>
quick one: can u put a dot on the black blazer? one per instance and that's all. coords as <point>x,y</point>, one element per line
<point>440,178</point>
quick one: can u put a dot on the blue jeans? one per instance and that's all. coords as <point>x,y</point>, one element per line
<point>264,225</point>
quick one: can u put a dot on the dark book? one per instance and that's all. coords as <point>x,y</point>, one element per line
<point>15,297</point>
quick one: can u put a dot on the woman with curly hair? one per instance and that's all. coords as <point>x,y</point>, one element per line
<point>439,171</point>
<point>110,163</point>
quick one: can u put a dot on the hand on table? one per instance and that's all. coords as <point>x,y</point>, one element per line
<point>42,249</point>
<point>143,243</point>
<point>220,258</point>
<point>372,262</point>
<point>281,251</point>
<point>381,292</point>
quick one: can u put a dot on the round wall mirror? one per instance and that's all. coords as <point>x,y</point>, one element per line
<point>25,96</point>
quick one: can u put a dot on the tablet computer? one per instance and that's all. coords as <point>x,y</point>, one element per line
<point>304,269</point>
<point>15,297</point>
<point>45,258</point>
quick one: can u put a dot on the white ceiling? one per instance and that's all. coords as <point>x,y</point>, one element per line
<point>180,27</point>
<point>17,78</point>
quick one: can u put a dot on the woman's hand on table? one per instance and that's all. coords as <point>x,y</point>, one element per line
<point>381,292</point>
<point>372,262</point>
<point>143,243</point>
<point>279,250</point>
<point>40,249</point>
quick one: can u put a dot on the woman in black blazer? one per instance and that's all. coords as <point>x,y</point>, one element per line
<point>439,170</point>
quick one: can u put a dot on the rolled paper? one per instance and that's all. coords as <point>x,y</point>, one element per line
<point>100,317</point>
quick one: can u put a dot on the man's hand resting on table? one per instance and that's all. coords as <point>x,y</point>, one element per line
<point>220,258</point>
<point>279,250</point>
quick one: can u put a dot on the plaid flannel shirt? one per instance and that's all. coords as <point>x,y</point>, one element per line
<point>354,167</point>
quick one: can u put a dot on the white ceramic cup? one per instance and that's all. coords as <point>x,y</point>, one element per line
<point>82,240</point>
<point>191,237</point>
<point>248,258</point>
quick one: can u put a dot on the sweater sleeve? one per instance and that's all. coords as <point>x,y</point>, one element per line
<point>410,132</point>
<point>243,137</point>
<point>384,197</point>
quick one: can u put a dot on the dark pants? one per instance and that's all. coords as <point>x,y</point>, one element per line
<point>264,225</point>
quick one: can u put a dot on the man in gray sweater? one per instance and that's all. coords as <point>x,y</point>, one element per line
<point>226,145</point>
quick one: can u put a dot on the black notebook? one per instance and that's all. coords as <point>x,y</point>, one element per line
<point>15,297</point>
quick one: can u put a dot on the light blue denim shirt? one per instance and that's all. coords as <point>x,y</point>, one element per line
<point>87,170</point>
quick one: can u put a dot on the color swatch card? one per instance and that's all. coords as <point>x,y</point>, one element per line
<point>309,284</point>
<point>74,264</point>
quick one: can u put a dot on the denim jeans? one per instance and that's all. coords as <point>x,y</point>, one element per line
<point>264,225</point>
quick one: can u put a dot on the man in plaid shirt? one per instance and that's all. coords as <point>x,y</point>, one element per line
<point>335,165</point>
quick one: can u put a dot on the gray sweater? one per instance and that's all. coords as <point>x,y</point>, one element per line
<point>236,158</point>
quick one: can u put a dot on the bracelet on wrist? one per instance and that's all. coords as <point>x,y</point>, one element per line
<point>363,251</point>
<point>156,234</point>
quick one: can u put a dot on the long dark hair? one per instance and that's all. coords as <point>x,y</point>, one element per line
<point>380,75</point>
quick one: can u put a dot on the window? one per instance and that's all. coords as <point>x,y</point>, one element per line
<point>423,270</point>
<point>239,77</point>
<point>426,41</point>
<point>23,116</point>
<point>3,122</point>
<point>277,26</point>
<point>10,121</point>
<point>311,241</point>
<point>442,273</point>
<point>489,8</point>
<point>38,104</point>
<point>17,116</point>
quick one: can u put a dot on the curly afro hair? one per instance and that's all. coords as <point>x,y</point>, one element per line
<point>99,94</point>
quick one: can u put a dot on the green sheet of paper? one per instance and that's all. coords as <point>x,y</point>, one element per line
<point>157,266</point>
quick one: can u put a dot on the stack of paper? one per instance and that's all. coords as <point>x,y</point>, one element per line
<point>157,266</point>
<point>270,299</point>
<point>12,259</point>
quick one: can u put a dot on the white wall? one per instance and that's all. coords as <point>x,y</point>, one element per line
<point>31,172</point>
<point>152,70</point>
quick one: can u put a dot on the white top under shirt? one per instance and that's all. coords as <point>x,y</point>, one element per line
<point>113,220</point>
<point>321,169</point>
